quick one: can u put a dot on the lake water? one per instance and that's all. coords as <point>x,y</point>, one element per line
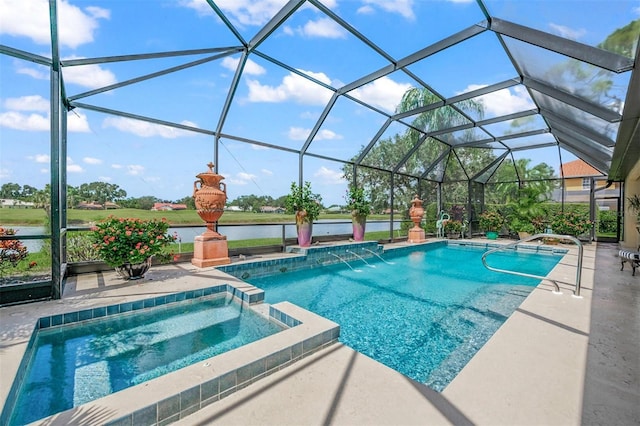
<point>237,232</point>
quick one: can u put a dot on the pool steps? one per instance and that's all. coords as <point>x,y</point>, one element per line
<point>202,383</point>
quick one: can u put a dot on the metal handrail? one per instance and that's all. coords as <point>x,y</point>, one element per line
<point>576,291</point>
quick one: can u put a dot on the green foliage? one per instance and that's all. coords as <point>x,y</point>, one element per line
<point>127,240</point>
<point>525,208</point>
<point>607,222</point>
<point>81,248</point>
<point>491,221</point>
<point>302,202</point>
<point>623,40</point>
<point>358,201</point>
<point>570,223</point>
<point>634,204</point>
<point>452,226</point>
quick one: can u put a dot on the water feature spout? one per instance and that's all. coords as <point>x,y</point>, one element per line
<point>345,262</point>
<point>361,258</point>
<point>378,256</point>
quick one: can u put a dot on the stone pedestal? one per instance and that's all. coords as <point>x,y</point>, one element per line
<point>416,235</point>
<point>210,251</point>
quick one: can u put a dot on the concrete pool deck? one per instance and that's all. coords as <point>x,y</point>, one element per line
<point>558,360</point>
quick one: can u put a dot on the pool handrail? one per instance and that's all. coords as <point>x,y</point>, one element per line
<point>576,291</point>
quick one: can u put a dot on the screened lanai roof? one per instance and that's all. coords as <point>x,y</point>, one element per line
<point>324,81</point>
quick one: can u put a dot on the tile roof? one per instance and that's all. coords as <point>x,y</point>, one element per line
<point>578,168</point>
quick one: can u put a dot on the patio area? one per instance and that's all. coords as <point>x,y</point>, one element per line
<point>558,360</point>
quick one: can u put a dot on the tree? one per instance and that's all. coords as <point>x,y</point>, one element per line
<point>101,192</point>
<point>10,190</point>
<point>391,151</point>
<point>508,181</point>
<point>142,203</point>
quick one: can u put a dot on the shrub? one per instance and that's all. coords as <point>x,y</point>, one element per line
<point>491,221</point>
<point>569,223</point>
<point>128,240</point>
<point>11,251</point>
<point>452,226</point>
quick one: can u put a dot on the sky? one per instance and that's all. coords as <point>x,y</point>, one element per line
<point>272,105</point>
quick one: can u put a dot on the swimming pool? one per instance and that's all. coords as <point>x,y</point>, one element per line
<point>424,313</point>
<point>83,361</point>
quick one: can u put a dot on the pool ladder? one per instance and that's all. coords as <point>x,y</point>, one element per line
<point>576,291</point>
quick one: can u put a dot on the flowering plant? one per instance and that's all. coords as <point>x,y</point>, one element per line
<point>569,223</point>
<point>11,251</point>
<point>358,201</point>
<point>452,226</point>
<point>491,221</point>
<point>129,240</point>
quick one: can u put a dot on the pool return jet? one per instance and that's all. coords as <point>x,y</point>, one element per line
<point>361,258</point>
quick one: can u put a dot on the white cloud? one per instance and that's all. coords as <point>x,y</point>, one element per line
<point>300,134</point>
<point>74,168</point>
<point>566,32</point>
<point>40,158</point>
<point>401,7</point>
<point>329,176</point>
<point>30,19</point>
<point>77,122</point>
<point>40,73</point>
<point>145,129</point>
<point>117,166</point>
<point>5,173</point>
<point>135,169</point>
<point>383,93</point>
<point>37,122</point>
<point>18,121</point>
<point>246,176</point>
<point>323,27</point>
<point>366,10</point>
<point>293,88</point>
<point>104,179</point>
<point>27,103</point>
<point>250,67</point>
<point>242,12</point>
<point>91,160</point>
<point>505,101</point>
<point>90,76</point>
<point>266,172</point>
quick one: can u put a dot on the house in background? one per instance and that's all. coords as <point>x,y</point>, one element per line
<point>577,185</point>
<point>168,206</point>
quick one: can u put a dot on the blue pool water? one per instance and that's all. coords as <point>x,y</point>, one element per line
<point>426,314</point>
<point>78,363</point>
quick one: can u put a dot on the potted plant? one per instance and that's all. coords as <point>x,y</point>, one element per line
<point>525,210</point>
<point>452,228</point>
<point>634,205</point>
<point>302,202</point>
<point>360,206</point>
<point>129,244</point>
<point>491,222</point>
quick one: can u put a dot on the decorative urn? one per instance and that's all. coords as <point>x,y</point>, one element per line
<point>416,211</point>
<point>210,196</point>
